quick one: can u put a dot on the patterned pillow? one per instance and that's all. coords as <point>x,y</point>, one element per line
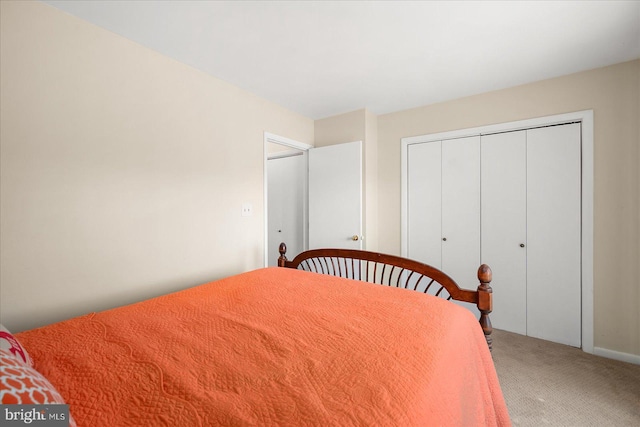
<point>10,343</point>
<point>21,384</point>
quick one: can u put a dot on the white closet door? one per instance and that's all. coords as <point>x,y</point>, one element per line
<point>461,210</point>
<point>504,227</point>
<point>275,207</point>
<point>286,192</point>
<point>553,229</point>
<point>424,205</point>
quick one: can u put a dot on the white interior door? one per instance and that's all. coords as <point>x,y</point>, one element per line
<point>286,204</point>
<point>554,230</point>
<point>424,203</point>
<point>335,196</point>
<point>504,226</point>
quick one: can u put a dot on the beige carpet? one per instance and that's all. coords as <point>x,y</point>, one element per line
<point>552,384</point>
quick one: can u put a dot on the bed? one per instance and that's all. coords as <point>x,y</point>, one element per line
<point>398,272</point>
<point>280,346</point>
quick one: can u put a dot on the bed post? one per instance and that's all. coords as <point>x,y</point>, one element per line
<point>485,302</point>
<point>283,258</point>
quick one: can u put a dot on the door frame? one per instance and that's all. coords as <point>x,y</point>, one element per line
<point>287,142</point>
<point>586,119</point>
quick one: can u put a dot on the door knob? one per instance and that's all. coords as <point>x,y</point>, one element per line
<point>355,237</point>
<point>522,245</point>
<point>444,239</point>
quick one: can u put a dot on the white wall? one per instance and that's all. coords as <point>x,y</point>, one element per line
<point>123,172</point>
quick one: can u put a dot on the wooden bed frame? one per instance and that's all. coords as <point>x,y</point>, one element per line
<point>391,270</point>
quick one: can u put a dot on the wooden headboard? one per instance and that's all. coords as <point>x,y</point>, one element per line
<point>391,270</point>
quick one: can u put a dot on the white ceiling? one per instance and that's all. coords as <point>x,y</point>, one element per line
<point>321,58</point>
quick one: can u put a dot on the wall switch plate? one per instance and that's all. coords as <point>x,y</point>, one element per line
<point>247,209</point>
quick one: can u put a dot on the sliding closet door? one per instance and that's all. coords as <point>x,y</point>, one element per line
<point>553,224</point>
<point>424,201</point>
<point>504,226</point>
<point>461,210</point>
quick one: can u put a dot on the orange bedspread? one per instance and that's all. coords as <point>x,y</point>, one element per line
<point>274,347</point>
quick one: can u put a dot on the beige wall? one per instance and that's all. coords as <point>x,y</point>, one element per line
<point>347,127</point>
<point>614,95</point>
<point>360,125</point>
<point>123,172</point>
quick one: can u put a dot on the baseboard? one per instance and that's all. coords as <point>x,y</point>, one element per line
<point>616,355</point>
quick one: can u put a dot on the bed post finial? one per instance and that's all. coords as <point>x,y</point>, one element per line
<point>283,258</point>
<point>485,302</point>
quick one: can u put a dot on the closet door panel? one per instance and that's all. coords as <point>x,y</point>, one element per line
<point>504,227</point>
<point>554,232</point>
<point>461,209</point>
<point>424,205</point>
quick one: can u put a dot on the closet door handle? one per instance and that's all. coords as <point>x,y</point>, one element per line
<point>444,239</point>
<point>522,245</point>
